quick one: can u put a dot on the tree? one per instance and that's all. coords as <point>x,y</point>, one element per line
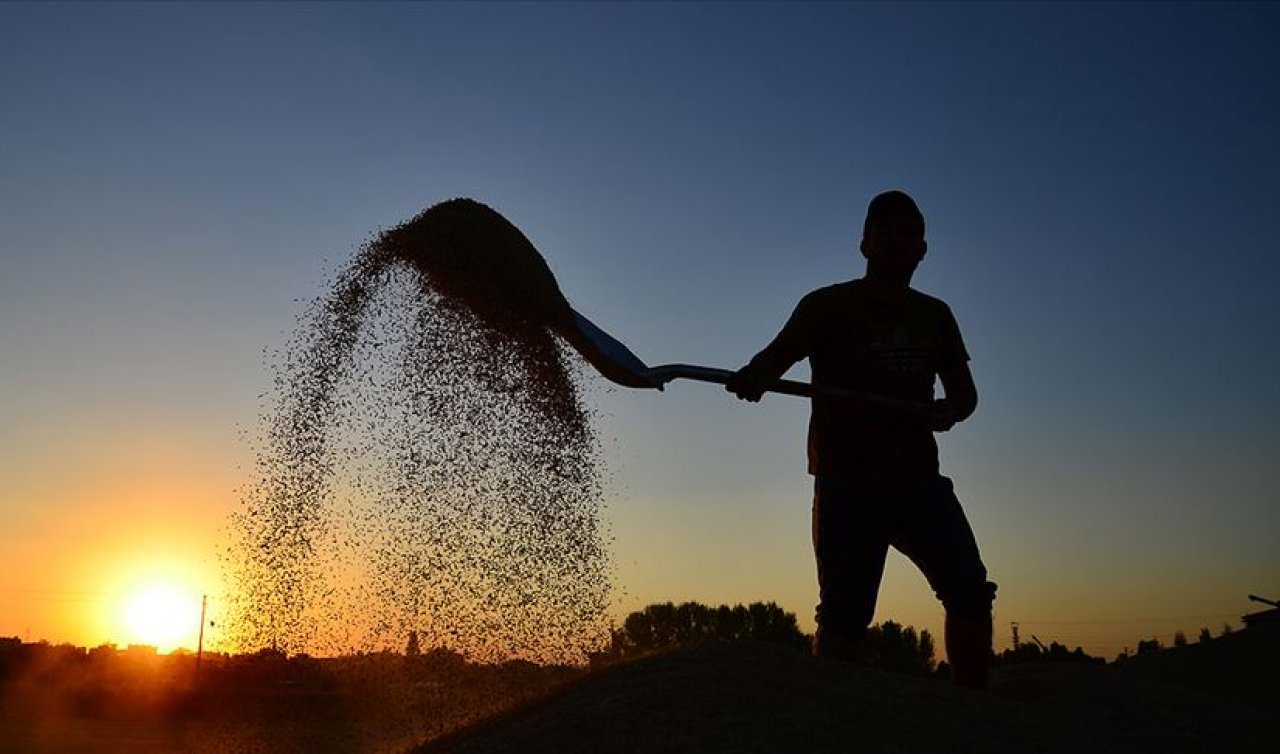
<point>1205,635</point>
<point>1149,646</point>
<point>1055,652</point>
<point>412,649</point>
<point>665,626</point>
<point>891,646</point>
<point>1179,639</point>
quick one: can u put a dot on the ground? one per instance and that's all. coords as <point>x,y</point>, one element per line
<point>734,698</point>
<point>744,697</point>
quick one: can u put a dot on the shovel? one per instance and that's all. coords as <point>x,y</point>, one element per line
<point>616,363</point>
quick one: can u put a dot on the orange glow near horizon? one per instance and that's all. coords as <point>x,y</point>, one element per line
<point>119,551</point>
<point>129,543</point>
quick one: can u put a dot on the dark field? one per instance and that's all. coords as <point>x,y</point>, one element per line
<point>70,702</point>
<point>752,697</point>
<point>726,697</point>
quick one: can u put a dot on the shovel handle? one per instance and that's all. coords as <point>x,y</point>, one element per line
<point>667,372</point>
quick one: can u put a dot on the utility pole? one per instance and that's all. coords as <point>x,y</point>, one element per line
<point>204,599</point>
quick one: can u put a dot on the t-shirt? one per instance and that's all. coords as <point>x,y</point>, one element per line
<point>858,340</point>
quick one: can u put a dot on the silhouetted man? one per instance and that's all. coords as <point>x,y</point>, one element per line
<point>876,468</point>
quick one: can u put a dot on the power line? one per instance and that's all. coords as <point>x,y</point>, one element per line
<point>52,595</point>
<point>1117,621</point>
<point>46,590</point>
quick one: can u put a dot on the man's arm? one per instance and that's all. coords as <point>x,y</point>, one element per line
<point>752,381</point>
<point>791,345</point>
<point>960,395</point>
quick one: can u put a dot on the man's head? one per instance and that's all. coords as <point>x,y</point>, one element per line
<point>893,237</point>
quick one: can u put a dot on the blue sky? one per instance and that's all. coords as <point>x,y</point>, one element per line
<point>1098,180</point>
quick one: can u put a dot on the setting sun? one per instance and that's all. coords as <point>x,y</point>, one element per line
<point>162,615</point>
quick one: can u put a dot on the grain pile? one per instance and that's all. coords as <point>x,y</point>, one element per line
<point>427,462</point>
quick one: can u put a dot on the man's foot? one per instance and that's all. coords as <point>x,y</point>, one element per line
<point>831,646</point>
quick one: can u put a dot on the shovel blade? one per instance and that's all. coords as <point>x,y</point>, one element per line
<point>613,360</point>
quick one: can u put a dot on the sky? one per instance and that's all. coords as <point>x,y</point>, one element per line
<point>1099,182</point>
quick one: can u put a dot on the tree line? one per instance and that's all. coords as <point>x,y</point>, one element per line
<point>666,626</point>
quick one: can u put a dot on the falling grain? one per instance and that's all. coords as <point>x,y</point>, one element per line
<point>427,462</point>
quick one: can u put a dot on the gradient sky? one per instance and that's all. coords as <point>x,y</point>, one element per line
<point>1099,181</point>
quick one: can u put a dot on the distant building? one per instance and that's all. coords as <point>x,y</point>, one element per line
<point>1263,618</point>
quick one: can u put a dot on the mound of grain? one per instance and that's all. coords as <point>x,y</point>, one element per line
<point>427,462</point>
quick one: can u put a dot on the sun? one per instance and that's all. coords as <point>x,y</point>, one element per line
<point>162,615</point>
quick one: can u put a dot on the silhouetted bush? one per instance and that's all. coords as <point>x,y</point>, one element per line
<point>667,626</point>
<point>897,648</point>
<point>1055,652</point>
<point>1149,646</point>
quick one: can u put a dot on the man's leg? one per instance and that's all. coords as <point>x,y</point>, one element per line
<point>850,542</point>
<point>935,534</point>
<point>968,640</point>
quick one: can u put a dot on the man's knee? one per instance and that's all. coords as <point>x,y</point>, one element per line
<point>970,601</point>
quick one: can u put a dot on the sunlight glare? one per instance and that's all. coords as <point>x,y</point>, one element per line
<point>163,616</point>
